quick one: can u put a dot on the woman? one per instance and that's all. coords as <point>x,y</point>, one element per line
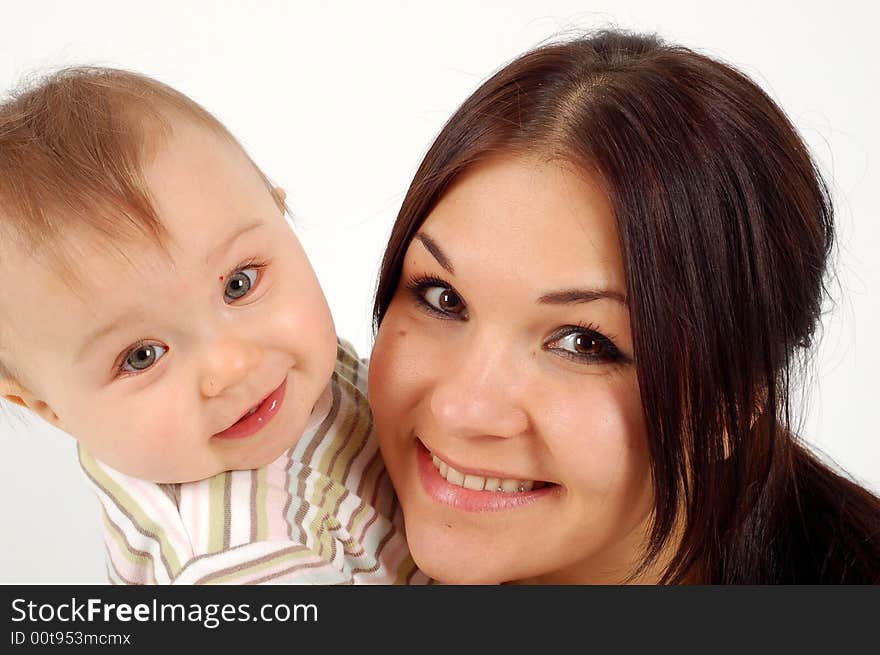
<point>603,277</point>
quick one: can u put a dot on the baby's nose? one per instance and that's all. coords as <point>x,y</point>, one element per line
<point>226,363</point>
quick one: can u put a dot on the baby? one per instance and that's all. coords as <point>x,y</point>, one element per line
<point>165,315</point>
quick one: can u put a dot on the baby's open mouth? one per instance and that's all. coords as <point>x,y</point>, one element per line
<point>256,417</point>
<point>250,411</point>
<point>481,483</point>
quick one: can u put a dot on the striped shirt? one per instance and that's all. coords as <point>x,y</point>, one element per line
<point>323,513</point>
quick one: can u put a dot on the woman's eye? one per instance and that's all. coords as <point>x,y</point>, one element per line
<point>444,299</point>
<point>142,357</point>
<point>584,345</point>
<point>240,283</point>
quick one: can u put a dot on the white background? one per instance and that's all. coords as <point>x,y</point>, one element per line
<point>338,102</point>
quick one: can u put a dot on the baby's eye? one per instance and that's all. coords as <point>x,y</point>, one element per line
<point>584,344</point>
<point>142,357</point>
<point>240,283</point>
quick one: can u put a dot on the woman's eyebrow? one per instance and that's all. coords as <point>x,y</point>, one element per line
<point>432,247</point>
<point>574,296</point>
<point>562,297</point>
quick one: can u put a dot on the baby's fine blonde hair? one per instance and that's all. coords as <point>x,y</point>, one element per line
<point>72,152</point>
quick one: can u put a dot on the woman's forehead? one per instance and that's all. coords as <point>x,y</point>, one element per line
<point>530,216</point>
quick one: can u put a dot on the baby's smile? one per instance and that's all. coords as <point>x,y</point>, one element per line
<point>255,418</point>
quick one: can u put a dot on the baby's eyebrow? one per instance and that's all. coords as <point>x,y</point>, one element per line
<point>100,333</point>
<point>227,242</point>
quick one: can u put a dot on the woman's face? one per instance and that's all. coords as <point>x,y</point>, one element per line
<point>503,384</point>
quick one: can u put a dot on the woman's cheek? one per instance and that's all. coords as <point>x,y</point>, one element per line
<point>386,376</point>
<point>401,364</point>
<point>599,434</point>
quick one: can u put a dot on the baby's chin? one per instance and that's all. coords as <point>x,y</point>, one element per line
<point>203,470</point>
<point>253,455</point>
<point>212,457</point>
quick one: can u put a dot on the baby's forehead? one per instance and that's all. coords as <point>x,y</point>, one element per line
<point>50,307</point>
<point>69,258</point>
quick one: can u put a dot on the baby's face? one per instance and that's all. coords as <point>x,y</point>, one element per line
<point>152,362</point>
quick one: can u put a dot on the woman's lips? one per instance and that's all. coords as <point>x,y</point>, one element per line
<point>252,423</point>
<point>470,500</point>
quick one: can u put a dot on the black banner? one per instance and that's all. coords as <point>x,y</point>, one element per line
<point>425,618</point>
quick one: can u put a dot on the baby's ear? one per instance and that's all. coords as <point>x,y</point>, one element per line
<point>280,196</point>
<point>14,392</point>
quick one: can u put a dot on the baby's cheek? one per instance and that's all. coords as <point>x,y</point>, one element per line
<point>158,437</point>
<point>300,324</point>
<point>169,441</point>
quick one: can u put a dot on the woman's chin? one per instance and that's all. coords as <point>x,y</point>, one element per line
<point>452,564</point>
<point>444,574</point>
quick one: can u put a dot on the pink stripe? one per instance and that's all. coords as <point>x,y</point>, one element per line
<point>193,497</point>
<point>276,499</point>
<point>165,515</point>
<point>128,570</point>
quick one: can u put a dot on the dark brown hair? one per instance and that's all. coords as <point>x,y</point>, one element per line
<point>726,228</point>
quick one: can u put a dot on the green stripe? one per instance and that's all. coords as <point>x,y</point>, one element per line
<point>367,510</point>
<point>262,517</point>
<point>143,561</point>
<point>262,566</point>
<point>337,459</point>
<point>126,503</point>
<point>216,512</point>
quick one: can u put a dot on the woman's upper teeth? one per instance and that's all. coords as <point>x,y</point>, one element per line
<point>478,482</point>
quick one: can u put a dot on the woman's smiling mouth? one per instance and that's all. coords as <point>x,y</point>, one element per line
<point>476,493</point>
<point>480,483</point>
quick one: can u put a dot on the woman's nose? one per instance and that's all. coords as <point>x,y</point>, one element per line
<point>228,361</point>
<point>478,393</point>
